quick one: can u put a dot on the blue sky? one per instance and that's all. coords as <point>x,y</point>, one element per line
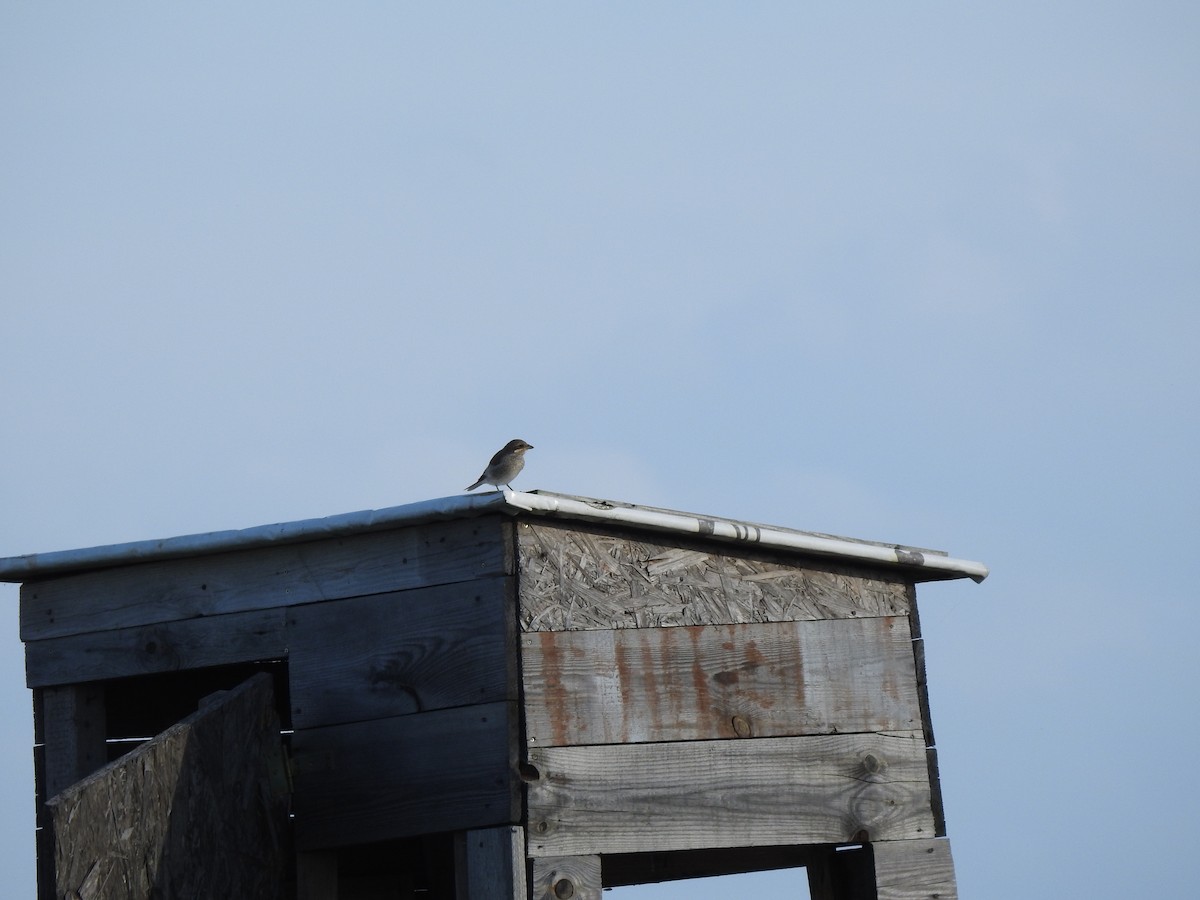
<point>924,274</point>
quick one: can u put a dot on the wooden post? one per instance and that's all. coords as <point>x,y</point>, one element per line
<point>914,870</point>
<point>490,864</point>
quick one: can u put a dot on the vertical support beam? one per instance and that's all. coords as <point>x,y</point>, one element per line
<point>69,729</point>
<point>915,870</point>
<point>566,878</point>
<point>489,864</point>
<point>72,731</point>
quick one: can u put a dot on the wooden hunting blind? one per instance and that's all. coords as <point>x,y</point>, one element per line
<point>502,696</point>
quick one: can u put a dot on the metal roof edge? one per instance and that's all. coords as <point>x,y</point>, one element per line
<point>927,563</point>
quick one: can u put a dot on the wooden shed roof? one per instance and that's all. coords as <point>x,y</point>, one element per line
<point>919,564</point>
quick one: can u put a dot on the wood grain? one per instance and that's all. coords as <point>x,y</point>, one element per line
<point>795,790</point>
<point>490,863</point>
<point>161,647</point>
<point>403,652</point>
<point>721,681</point>
<point>201,810</point>
<point>914,870</point>
<point>193,587</point>
<point>573,579</point>
<point>574,877</point>
<point>438,771</point>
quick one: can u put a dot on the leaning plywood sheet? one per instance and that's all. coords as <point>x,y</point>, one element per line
<point>628,798</point>
<point>372,563</point>
<point>763,679</point>
<point>572,579</point>
<point>200,811</point>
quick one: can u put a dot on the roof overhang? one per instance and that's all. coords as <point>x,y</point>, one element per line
<point>918,564</point>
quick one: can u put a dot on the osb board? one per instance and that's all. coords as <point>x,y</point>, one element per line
<point>762,679</point>
<point>200,811</point>
<point>627,798</point>
<point>285,575</point>
<point>572,579</point>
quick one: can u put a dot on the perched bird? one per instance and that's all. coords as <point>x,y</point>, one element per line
<point>505,465</point>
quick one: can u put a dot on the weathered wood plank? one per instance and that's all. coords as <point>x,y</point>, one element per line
<point>721,681</point>
<point>192,587</point>
<point>403,652</point>
<point>71,729</point>
<point>914,870</point>
<point>804,790</point>
<point>572,579</point>
<point>577,877</point>
<point>447,770</point>
<point>490,864</point>
<point>152,649</point>
<point>201,810</point>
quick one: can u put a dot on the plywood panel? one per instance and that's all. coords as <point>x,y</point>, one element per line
<point>630,798</point>
<point>438,771</point>
<point>402,652</point>
<point>573,579</point>
<point>201,810</point>
<point>720,681</point>
<point>439,553</point>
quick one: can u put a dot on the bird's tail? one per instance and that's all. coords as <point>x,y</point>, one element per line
<point>475,485</point>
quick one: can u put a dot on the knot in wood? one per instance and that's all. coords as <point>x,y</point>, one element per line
<point>873,765</point>
<point>564,888</point>
<point>741,727</point>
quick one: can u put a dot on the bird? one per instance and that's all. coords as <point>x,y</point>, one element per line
<point>504,466</point>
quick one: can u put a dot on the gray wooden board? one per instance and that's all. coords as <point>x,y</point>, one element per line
<point>719,681</point>
<point>628,798</point>
<point>375,562</point>
<point>388,778</point>
<point>161,647</point>
<point>573,579</point>
<point>576,877</point>
<point>404,652</point>
<point>914,870</point>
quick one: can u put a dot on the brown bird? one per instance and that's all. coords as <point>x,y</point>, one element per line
<point>505,465</point>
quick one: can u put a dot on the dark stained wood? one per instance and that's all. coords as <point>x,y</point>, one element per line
<point>914,870</point>
<point>560,877</point>
<point>201,810</point>
<point>402,652</point>
<point>446,770</point>
<point>573,579</point>
<point>628,798</point>
<point>723,681</point>
<point>217,584</point>
<point>490,863</point>
<point>71,722</point>
<point>161,647</point>
<point>842,873</point>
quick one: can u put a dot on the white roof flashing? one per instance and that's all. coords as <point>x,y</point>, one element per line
<point>924,565</point>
